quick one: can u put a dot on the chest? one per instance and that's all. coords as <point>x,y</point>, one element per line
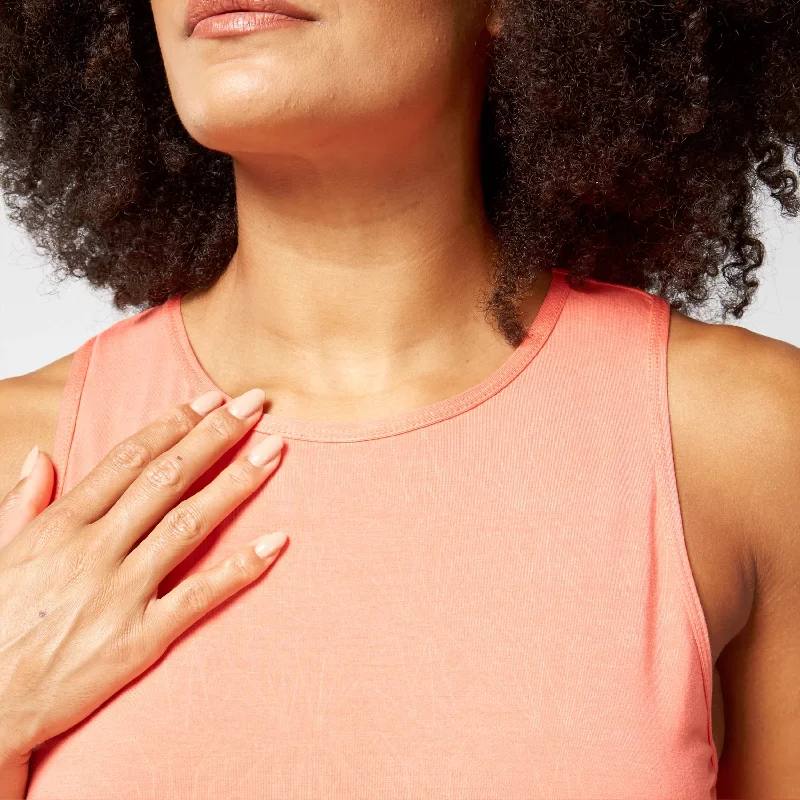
<point>464,634</point>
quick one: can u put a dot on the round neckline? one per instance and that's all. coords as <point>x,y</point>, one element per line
<point>361,430</point>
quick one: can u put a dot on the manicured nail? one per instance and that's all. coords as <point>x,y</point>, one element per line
<point>207,402</point>
<point>29,462</point>
<point>247,404</point>
<point>270,544</point>
<point>265,451</point>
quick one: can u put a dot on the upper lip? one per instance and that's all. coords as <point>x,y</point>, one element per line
<point>197,10</point>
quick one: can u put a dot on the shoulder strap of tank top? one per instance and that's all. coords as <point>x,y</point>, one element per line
<point>68,412</point>
<point>126,337</point>
<point>668,495</point>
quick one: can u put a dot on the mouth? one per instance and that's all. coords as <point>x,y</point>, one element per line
<point>240,16</point>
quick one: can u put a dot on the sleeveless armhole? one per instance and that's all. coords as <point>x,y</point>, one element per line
<point>666,475</point>
<point>68,413</point>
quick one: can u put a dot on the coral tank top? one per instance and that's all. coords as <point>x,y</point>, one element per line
<point>486,597</point>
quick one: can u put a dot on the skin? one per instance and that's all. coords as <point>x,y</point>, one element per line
<point>362,232</point>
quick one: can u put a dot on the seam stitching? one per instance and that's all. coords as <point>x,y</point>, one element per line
<point>544,326</point>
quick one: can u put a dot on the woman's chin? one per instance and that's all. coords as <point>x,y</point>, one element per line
<point>230,129</point>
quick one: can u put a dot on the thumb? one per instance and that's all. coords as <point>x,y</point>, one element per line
<point>29,497</point>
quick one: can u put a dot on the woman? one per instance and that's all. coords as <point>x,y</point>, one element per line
<point>442,251</point>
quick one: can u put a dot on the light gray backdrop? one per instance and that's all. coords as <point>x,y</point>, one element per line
<point>41,320</point>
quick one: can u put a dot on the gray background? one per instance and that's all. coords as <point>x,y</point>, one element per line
<point>42,319</point>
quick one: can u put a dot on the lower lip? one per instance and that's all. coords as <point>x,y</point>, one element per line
<point>236,23</point>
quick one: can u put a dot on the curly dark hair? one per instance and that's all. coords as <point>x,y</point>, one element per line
<point>621,140</point>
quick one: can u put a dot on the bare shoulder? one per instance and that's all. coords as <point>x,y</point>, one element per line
<point>29,408</point>
<point>735,411</point>
<point>737,399</point>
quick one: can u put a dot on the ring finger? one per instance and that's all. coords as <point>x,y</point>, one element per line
<point>188,524</point>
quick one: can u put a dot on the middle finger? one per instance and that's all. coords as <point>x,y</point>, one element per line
<point>162,483</point>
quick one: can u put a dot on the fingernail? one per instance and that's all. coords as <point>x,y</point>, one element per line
<point>247,404</point>
<point>29,462</point>
<point>269,544</point>
<point>265,451</point>
<point>208,401</point>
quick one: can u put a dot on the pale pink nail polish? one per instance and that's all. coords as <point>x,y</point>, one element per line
<point>270,544</point>
<point>207,402</point>
<point>265,451</point>
<point>29,462</point>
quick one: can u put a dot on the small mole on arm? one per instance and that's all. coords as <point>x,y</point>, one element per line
<point>42,613</point>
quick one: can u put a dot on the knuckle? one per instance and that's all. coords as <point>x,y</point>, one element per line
<point>76,561</point>
<point>181,419</point>
<point>58,518</point>
<point>245,564</point>
<point>163,473</point>
<point>222,426</point>
<point>184,523</point>
<point>67,514</point>
<point>13,495</point>
<point>11,499</point>
<point>238,476</point>
<point>131,454</point>
<point>121,648</point>
<point>126,644</point>
<point>197,596</point>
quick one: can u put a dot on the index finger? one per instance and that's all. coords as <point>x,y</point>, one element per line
<point>101,488</point>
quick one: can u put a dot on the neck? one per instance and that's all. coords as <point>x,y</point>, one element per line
<point>364,275</point>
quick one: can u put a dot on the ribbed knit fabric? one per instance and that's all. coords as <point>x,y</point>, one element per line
<point>488,597</point>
